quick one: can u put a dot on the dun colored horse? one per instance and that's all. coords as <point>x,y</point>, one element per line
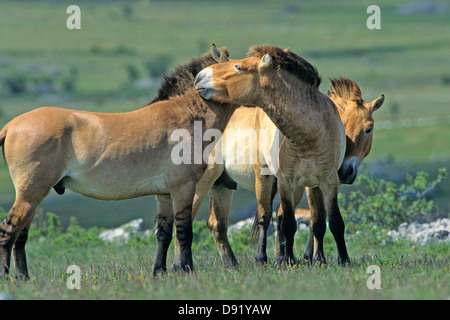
<point>356,115</point>
<point>314,141</point>
<point>107,156</point>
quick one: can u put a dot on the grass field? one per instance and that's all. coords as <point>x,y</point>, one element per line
<point>106,66</point>
<point>124,271</point>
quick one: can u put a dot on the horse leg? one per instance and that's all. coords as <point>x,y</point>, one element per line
<point>220,203</point>
<point>19,256</point>
<point>263,188</point>
<point>14,232</point>
<point>336,223</point>
<point>280,243</point>
<point>288,224</point>
<point>314,247</point>
<point>337,227</point>
<point>203,186</point>
<point>280,246</point>
<point>164,226</point>
<point>182,199</point>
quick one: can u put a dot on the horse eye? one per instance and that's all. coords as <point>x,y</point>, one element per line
<point>237,68</point>
<point>369,130</point>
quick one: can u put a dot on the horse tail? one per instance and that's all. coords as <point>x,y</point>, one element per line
<point>255,230</point>
<point>3,135</point>
<point>2,140</point>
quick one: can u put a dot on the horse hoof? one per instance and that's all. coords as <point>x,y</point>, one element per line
<point>159,271</point>
<point>344,261</point>
<point>279,260</point>
<point>320,260</point>
<point>261,258</point>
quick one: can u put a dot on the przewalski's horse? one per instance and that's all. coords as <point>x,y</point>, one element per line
<point>108,156</point>
<point>358,122</point>
<point>357,116</point>
<point>286,87</point>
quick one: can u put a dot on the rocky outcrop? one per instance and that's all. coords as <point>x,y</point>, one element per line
<point>423,233</point>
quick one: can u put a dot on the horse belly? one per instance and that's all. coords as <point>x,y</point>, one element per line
<point>115,186</point>
<point>242,174</point>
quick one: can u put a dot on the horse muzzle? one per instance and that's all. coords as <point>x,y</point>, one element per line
<point>348,171</point>
<point>204,83</point>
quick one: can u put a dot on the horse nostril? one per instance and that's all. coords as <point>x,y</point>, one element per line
<point>350,171</point>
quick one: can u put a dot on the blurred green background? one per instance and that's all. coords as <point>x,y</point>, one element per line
<point>114,64</point>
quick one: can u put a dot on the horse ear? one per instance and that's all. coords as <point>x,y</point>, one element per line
<point>376,104</point>
<point>266,60</point>
<point>218,54</point>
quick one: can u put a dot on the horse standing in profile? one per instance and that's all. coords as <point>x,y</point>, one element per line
<point>107,156</point>
<point>286,86</point>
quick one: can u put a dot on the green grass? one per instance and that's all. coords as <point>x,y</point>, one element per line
<point>415,143</point>
<point>111,271</point>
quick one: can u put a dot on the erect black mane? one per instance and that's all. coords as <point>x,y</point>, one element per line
<point>183,77</point>
<point>290,62</point>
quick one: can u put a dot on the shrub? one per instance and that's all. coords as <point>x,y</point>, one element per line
<point>70,81</point>
<point>16,83</point>
<point>203,239</point>
<point>158,66</point>
<point>133,72</point>
<point>384,204</point>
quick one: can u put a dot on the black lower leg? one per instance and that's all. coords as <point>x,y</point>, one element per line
<point>288,229</point>
<point>163,236</point>
<point>337,227</point>
<point>20,259</point>
<point>7,236</point>
<point>261,255</point>
<point>263,225</point>
<point>183,223</point>
<point>280,246</point>
<point>309,250</point>
<point>318,229</point>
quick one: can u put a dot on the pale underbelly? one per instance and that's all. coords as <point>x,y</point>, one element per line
<point>243,175</point>
<point>114,187</point>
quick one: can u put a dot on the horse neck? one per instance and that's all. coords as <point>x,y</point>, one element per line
<point>190,107</point>
<point>298,114</point>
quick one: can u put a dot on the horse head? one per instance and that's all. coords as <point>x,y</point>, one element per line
<point>356,115</point>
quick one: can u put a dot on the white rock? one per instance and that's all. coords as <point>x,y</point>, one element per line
<point>423,233</point>
<point>123,233</point>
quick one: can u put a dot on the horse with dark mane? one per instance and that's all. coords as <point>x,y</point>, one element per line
<point>182,78</point>
<point>285,86</point>
<point>108,156</point>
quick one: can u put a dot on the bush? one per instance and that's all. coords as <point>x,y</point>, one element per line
<point>203,239</point>
<point>48,227</point>
<point>158,66</point>
<point>133,73</point>
<point>16,83</point>
<point>40,79</point>
<point>385,205</point>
